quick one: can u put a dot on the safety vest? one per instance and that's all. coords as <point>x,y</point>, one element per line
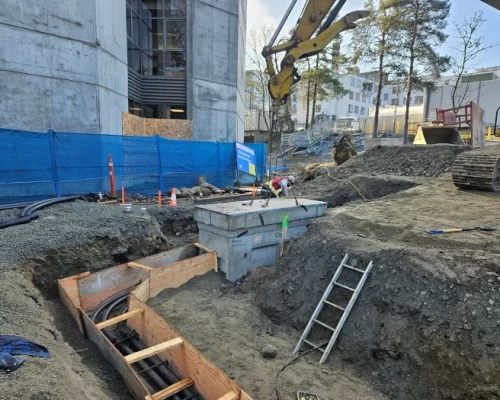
<point>274,186</point>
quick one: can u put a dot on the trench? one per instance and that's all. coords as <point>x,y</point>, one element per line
<point>46,268</point>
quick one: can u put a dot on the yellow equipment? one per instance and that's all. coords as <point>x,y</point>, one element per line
<point>302,44</point>
<point>438,134</point>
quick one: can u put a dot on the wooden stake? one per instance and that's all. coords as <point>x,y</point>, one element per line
<point>119,318</point>
<point>159,198</point>
<point>139,266</point>
<point>229,396</point>
<point>123,195</point>
<point>151,351</point>
<point>172,389</point>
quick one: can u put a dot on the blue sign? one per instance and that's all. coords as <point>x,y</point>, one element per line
<point>245,159</point>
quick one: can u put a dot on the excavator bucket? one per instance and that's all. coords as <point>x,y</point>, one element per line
<point>438,134</point>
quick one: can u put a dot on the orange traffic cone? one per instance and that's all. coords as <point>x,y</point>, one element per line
<point>173,199</point>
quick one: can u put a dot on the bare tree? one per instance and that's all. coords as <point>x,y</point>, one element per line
<point>465,55</point>
<point>256,77</point>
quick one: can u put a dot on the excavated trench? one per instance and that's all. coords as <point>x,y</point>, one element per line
<point>77,363</point>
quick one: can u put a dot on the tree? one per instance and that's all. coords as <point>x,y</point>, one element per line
<point>422,26</point>
<point>463,61</point>
<point>321,82</point>
<point>375,41</point>
<point>256,77</point>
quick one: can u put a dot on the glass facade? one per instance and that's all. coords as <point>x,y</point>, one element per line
<point>156,43</point>
<point>156,31</point>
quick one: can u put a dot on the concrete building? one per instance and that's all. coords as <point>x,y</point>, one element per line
<point>360,97</point>
<point>75,66</point>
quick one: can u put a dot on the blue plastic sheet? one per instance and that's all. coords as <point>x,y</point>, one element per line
<point>35,165</point>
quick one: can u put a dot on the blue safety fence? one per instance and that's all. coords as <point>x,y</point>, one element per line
<point>37,165</point>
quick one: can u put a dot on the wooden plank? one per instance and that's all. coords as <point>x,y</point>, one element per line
<point>119,318</point>
<point>153,350</point>
<point>186,360</point>
<point>169,257</point>
<point>106,348</point>
<point>173,389</point>
<point>68,293</point>
<point>142,291</point>
<point>205,249</point>
<point>244,396</point>
<point>108,202</point>
<point>101,285</point>
<point>177,274</point>
<point>139,266</point>
<point>229,396</point>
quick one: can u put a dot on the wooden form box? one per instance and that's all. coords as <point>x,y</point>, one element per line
<point>149,276</point>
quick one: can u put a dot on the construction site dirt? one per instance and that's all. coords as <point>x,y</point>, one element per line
<point>424,327</point>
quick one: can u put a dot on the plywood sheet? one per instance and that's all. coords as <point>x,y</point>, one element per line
<point>477,129</point>
<point>177,274</point>
<point>188,362</point>
<point>103,284</point>
<point>115,358</point>
<point>70,296</point>
<point>171,256</point>
<point>133,125</point>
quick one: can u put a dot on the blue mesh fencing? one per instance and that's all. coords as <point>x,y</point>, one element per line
<point>37,165</point>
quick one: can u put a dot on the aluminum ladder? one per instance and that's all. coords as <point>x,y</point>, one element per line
<point>346,310</point>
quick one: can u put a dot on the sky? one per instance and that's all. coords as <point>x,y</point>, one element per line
<point>271,11</point>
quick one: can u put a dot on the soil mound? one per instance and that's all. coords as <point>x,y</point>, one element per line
<point>425,161</point>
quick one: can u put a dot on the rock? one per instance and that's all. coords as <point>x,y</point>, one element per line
<point>491,273</point>
<point>119,250</point>
<point>269,351</point>
<point>491,302</point>
<point>445,297</point>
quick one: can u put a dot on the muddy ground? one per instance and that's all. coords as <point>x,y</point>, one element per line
<point>425,327</point>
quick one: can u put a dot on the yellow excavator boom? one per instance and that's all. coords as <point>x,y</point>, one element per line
<point>302,44</point>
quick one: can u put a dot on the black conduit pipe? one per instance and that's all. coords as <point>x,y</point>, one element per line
<point>158,381</point>
<point>149,364</point>
<point>27,212</point>
<point>15,205</point>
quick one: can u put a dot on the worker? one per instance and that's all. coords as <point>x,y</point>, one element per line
<point>278,187</point>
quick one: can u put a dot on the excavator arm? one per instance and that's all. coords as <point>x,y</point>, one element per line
<point>302,44</point>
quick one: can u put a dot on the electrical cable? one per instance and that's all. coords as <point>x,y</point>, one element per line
<point>343,180</point>
<point>293,361</point>
<point>15,205</point>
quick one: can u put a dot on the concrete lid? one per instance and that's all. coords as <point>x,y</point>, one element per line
<point>237,208</point>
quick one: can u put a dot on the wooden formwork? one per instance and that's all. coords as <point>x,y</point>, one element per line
<point>149,276</point>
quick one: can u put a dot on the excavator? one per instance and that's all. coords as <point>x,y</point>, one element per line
<point>316,28</point>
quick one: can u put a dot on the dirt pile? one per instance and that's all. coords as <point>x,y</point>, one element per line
<point>425,161</point>
<point>426,323</point>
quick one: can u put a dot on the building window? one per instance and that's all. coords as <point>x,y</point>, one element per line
<point>395,90</point>
<point>374,102</point>
<point>156,29</point>
<point>419,100</point>
<point>375,88</point>
<point>318,109</point>
<point>363,98</point>
<point>362,111</point>
<point>356,110</point>
<point>386,96</point>
<point>394,102</point>
<point>134,108</point>
<point>350,108</point>
<point>357,96</point>
<point>353,82</point>
<point>351,95</point>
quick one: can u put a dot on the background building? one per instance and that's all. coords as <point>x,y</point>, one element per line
<point>77,65</point>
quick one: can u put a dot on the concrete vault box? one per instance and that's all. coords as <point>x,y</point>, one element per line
<point>246,237</point>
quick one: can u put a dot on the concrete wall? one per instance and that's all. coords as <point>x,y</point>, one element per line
<point>63,67</point>
<point>216,66</point>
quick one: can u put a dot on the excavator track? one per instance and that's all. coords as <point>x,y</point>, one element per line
<point>478,169</point>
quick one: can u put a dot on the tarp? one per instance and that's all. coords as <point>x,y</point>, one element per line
<point>61,163</point>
